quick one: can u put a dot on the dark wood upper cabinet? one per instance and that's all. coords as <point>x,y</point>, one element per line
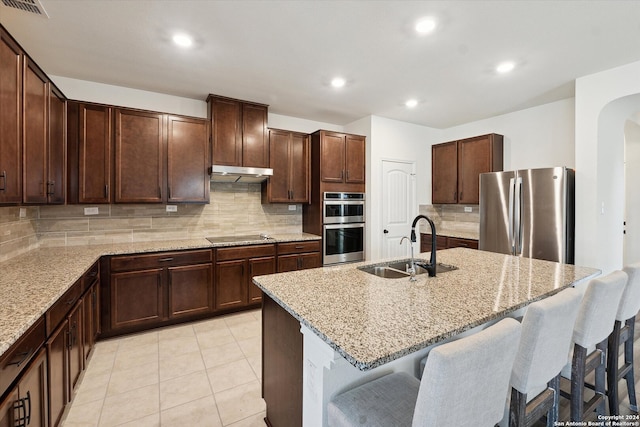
<point>342,158</point>
<point>444,172</point>
<point>56,153</point>
<point>290,161</point>
<point>188,160</point>
<point>238,132</point>
<point>35,100</point>
<point>11,58</point>
<point>90,152</point>
<point>457,165</point>
<point>139,150</point>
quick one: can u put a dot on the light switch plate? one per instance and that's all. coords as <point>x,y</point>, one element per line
<point>91,211</point>
<point>172,208</point>
<point>292,207</point>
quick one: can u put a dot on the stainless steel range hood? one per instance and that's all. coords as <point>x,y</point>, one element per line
<point>239,174</point>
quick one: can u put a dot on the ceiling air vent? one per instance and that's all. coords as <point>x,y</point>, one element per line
<point>31,6</point>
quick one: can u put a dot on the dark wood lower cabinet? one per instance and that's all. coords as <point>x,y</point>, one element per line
<point>136,298</point>
<point>444,242</point>
<point>26,403</point>
<point>190,290</point>
<point>282,363</point>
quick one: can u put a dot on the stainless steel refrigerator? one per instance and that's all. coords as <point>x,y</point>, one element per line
<point>529,213</point>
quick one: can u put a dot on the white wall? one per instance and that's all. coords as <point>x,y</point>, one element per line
<point>632,196</point>
<point>603,102</point>
<point>537,137</point>
<point>392,140</point>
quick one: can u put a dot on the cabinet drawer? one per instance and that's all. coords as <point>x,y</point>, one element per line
<point>20,353</point>
<point>241,252</point>
<point>299,247</point>
<point>90,276</point>
<point>60,308</point>
<point>140,262</point>
<point>455,242</point>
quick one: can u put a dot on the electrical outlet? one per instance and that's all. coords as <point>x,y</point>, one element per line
<point>292,207</point>
<point>91,211</point>
<point>172,208</point>
<point>23,212</point>
<point>468,209</point>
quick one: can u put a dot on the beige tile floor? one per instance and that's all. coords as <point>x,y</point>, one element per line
<point>204,373</point>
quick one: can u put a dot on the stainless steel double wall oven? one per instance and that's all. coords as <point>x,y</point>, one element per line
<point>343,227</point>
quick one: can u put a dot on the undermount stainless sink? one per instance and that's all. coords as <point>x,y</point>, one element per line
<point>399,269</point>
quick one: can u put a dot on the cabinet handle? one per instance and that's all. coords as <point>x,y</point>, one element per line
<point>342,174</point>
<point>22,410</point>
<point>165,259</point>
<point>3,175</point>
<point>347,174</point>
<point>299,263</point>
<point>50,188</point>
<point>299,247</point>
<point>106,191</point>
<point>168,192</point>
<point>22,358</point>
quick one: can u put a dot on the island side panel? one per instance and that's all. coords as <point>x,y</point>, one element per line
<point>281,365</point>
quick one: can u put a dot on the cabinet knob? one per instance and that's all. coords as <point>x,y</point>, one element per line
<point>3,175</point>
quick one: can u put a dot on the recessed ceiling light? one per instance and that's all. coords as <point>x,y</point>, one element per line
<point>426,25</point>
<point>182,40</point>
<point>505,67</point>
<point>338,82</point>
<point>411,103</point>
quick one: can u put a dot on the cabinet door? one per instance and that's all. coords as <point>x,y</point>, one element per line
<point>287,263</point>
<point>58,372</point>
<point>94,154</point>
<point>188,160</point>
<point>259,267</point>
<point>444,168</point>
<point>139,157</point>
<point>300,168</point>
<point>332,157</point>
<point>10,120</point>
<point>76,346</point>
<point>33,393</point>
<point>230,284</point>
<point>255,144</point>
<point>310,260</point>
<point>136,298</point>
<point>354,159</point>
<point>190,290</point>
<point>6,408</point>
<point>35,99</point>
<point>278,188</point>
<point>226,131</point>
<point>91,325</point>
<point>474,158</point>
<point>56,162</point>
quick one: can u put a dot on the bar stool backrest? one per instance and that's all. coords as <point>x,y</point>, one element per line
<point>630,301</point>
<point>598,309</point>
<point>466,382</point>
<point>547,328</point>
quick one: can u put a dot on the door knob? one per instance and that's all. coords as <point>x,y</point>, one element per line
<point>385,231</point>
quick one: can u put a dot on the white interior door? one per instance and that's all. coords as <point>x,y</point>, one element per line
<point>398,206</point>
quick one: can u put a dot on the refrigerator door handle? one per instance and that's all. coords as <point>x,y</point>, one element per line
<point>518,216</point>
<point>510,224</point>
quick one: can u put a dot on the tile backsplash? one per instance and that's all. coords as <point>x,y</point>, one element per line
<point>451,217</point>
<point>234,209</point>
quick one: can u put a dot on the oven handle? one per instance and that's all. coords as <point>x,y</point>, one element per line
<point>344,202</point>
<point>349,225</point>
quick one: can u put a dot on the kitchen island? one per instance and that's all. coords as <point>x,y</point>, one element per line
<point>327,330</point>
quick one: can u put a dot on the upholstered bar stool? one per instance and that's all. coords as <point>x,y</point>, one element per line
<point>593,325</point>
<point>465,383</point>
<point>623,330</point>
<point>545,341</point>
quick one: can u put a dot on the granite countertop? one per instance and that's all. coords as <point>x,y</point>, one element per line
<point>371,320</point>
<point>32,282</point>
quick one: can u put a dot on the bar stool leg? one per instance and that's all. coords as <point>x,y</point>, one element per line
<point>612,369</point>
<point>628,360</point>
<point>577,382</point>
<point>600,378</point>
<point>552,415</point>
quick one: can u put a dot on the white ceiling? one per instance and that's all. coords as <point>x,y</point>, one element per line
<point>284,53</point>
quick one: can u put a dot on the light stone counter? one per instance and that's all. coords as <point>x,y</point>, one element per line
<point>32,282</point>
<point>371,321</point>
